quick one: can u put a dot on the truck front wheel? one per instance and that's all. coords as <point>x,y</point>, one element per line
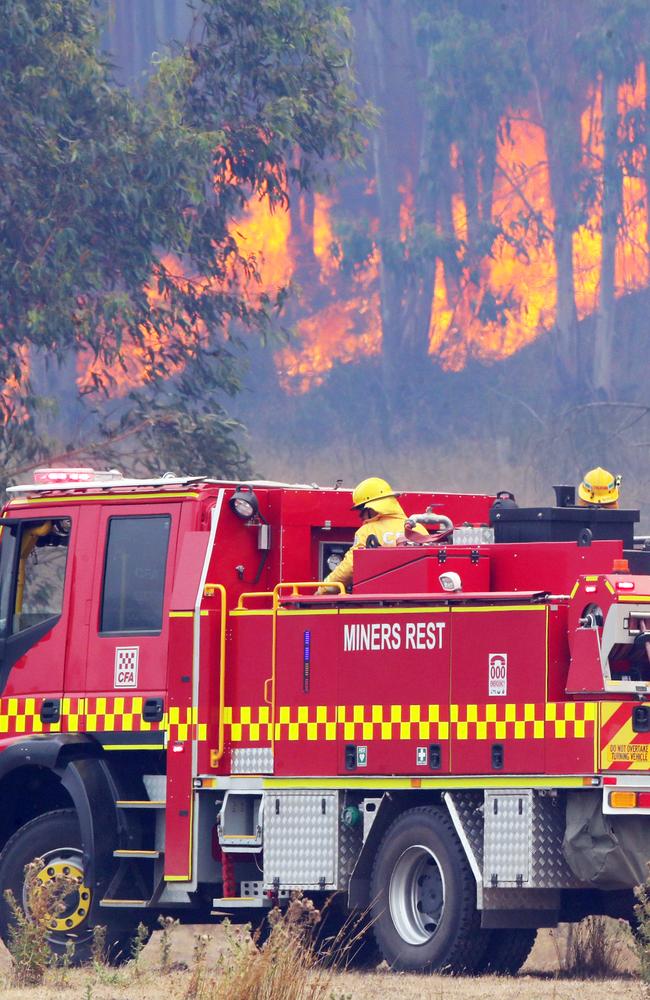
<point>55,840</point>
<point>424,896</point>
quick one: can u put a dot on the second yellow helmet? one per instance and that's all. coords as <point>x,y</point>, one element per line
<point>599,487</point>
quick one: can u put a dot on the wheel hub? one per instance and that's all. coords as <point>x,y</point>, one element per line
<point>416,895</point>
<point>72,904</point>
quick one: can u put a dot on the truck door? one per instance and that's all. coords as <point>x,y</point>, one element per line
<point>126,666</point>
<point>35,592</point>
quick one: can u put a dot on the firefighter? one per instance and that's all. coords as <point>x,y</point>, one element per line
<point>383,517</point>
<point>599,488</point>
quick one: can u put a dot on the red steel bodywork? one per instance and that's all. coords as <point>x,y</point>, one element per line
<point>391,680</point>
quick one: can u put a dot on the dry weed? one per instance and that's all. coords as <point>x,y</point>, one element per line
<point>642,930</point>
<point>137,944</point>
<point>286,967</point>
<point>199,985</point>
<point>28,935</point>
<point>167,925</point>
<point>595,949</point>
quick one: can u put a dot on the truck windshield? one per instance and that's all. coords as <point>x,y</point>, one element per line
<point>7,561</point>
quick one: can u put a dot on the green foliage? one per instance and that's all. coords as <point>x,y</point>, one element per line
<point>98,949</point>
<point>138,942</point>
<point>274,77</point>
<point>476,72</point>
<point>116,214</point>
<point>476,68</point>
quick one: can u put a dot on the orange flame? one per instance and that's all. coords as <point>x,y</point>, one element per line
<point>265,235</point>
<point>13,390</point>
<point>495,308</point>
<point>137,361</point>
<point>485,309</point>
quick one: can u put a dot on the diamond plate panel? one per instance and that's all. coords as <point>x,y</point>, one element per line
<point>252,760</point>
<point>521,899</point>
<point>549,866</point>
<point>469,809</point>
<point>350,842</point>
<point>507,840</point>
<point>301,834</point>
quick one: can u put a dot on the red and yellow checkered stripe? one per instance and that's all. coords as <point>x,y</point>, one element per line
<point>98,714</point>
<point>533,721</point>
<point>621,748</point>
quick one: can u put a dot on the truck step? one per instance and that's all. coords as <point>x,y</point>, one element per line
<point>126,904</point>
<point>242,903</point>
<point>140,803</point>
<point>147,855</point>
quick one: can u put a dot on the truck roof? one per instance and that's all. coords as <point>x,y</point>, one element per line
<point>119,484</point>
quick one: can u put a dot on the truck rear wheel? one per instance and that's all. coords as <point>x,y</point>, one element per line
<point>424,896</point>
<point>507,951</point>
<point>55,838</point>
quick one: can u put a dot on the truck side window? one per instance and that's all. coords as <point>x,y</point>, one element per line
<point>41,572</point>
<point>134,574</point>
<point>42,557</point>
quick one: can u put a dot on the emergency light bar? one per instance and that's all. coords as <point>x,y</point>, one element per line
<point>59,476</point>
<point>103,480</point>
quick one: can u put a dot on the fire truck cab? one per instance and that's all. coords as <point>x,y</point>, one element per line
<point>457,750</point>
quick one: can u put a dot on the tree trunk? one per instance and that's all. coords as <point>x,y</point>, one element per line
<point>560,85</point>
<point>611,208</point>
<point>418,297</point>
<point>391,60</point>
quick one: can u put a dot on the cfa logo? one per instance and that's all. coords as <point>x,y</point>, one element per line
<point>126,666</point>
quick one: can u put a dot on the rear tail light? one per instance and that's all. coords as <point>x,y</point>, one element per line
<point>643,800</point>
<point>623,800</point>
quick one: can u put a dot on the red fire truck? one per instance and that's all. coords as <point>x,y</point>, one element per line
<point>459,747</point>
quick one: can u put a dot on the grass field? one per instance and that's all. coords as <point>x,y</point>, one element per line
<point>539,980</point>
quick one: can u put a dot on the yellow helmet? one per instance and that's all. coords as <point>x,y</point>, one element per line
<point>599,488</point>
<point>376,493</point>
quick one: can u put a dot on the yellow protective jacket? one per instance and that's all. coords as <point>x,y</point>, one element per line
<point>386,526</point>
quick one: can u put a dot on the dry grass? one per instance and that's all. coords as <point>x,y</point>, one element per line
<point>215,962</point>
<point>595,948</point>
<point>83,985</point>
<point>28,944</point>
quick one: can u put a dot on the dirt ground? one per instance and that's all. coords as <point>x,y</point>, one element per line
<point>537,981</point>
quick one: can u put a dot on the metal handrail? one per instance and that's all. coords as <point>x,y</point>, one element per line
<point>222,672</point>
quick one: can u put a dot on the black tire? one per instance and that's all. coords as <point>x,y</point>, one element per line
<point>55,837</point>
<point>345,940</point>
<point>424,896</point>
<point>507,950</point>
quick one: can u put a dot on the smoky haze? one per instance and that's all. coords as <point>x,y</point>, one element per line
<point>470,306</point>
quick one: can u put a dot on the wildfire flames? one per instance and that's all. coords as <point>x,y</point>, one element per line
<point>487,311</point>
<point>521,280</point>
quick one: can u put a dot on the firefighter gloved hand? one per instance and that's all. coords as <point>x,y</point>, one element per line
<point>335,590</point>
